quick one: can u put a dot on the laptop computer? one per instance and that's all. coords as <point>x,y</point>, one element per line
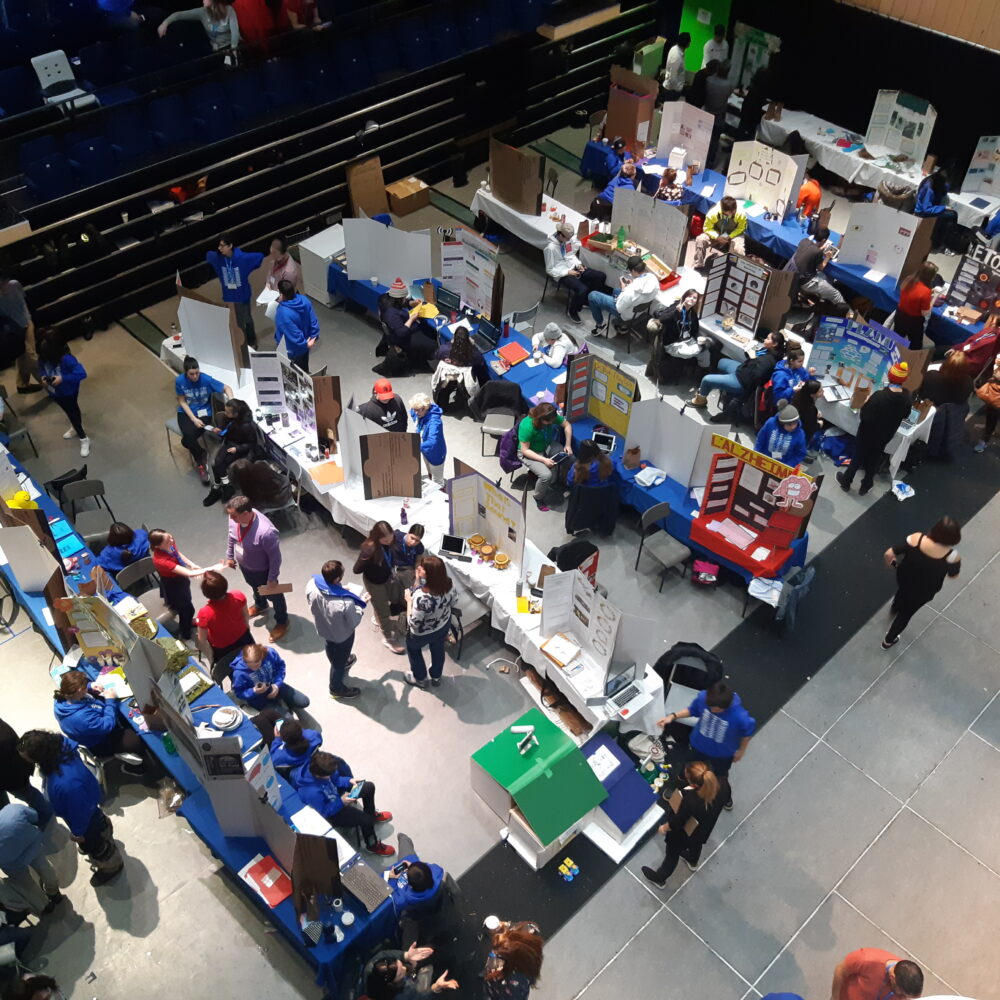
<point>487,336</point>
<point>446,300</point>
<point>625,693</point>
<point>454,547</point>
<point>604,441</point>
<point>362,882</point>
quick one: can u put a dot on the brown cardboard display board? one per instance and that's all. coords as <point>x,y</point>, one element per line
<point>34,518</point>
<point>315,872</point>
<point>630,107</point>
<point>366,187</point>
<point>917,362</point>
<point>517,178</point>
<point>408,195</point>
<point>496,299</point>
<point>241,353</point>
<point>328,407</point>
<point>462,468</point>
<point>920,246</point>
<point>390,465</point>
<point>54,590</point>
<point>268,589</point>
<point>777,300</point>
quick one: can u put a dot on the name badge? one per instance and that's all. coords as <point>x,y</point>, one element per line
<point>238,553</point>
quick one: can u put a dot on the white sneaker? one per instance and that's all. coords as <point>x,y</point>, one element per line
<point>84,447</point>
<point>69,434</point>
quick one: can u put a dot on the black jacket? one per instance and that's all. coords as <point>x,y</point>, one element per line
<point>14,770</point>
<point>390,415</point>
<point>692,807</point>
<point>240,434</point>
<point>754,372</point>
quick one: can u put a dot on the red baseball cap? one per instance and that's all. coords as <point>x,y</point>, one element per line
<point>382,389</point>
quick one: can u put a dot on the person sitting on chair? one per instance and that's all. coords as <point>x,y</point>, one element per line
<point>239,438</point>
<point>592,504</point>
<point>809,262</point>
<point>293,745</point>
<point>674,335</point>
<point>259,679</point>
<point>638,287</point>
<point>94,722</point>
<point>591,468</point>
<point>723,232</point>
<point>552,346</point>
<point>123,547</point>
<point>414,890</point>
<point>742,378</point>
<point>782,437</point>
<point>563,266</point>
<point>402,324</point>
<point>629,176</point>
<point>403,975</point>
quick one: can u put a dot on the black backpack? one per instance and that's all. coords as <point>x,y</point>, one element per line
<point>451,394</point>
<point>700,678</point>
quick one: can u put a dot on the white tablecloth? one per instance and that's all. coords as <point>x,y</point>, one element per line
<point>533,229</point>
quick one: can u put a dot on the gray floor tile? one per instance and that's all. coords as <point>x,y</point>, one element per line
<point>666,958</point>
<point>913,870</point>
<point>580,950</point>
<point>833,931</point>
<point>945,677</point>
<point>969,774</point>
<point>845,677</point>
<point>748,899</point>
<point>975,607</point>
<point>988,724</point>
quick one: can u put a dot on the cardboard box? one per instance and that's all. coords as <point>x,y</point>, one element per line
<point>407,196</point>
<point>647,58</point>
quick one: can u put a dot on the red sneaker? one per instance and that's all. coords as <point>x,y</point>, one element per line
<point>383,817</point>
<point>384,849</point>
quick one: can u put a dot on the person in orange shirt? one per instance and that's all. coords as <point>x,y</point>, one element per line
<point>874,974</point>
<point>809,196</point>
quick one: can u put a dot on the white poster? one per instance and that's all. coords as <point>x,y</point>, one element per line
<point>29,562</point>
<point>480,264</point>
<point>479,507</point>
<point>205,331</point>
<point>684,126</point>
<point>452,264</point>
<point>653,224</point>
<point>878,238</point>
<point>667,438</point>
<point>267,381</point>
<point>349,430</point>
<point>571,605</point>
<point>982,175</point>
<point>386,253</point>
<point>900,123</point>
<point>763,175</point>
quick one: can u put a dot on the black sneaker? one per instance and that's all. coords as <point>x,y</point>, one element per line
<point>213,496</point>
<point>845,483</point>
<point>436,682</point>
<point>54,900</point>
<point>728,806</point>
<point>102,878</point>
<point>575,317</point>
<point>413,682</point>
<point>346,693</point>
<point>864,488</point>
<point>888,643</point>
<point>650,875</point>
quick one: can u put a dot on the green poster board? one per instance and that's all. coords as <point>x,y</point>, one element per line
<point>552,783</point>
<point>699,19</point>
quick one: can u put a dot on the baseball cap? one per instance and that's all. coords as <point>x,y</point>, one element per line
<point>382,389</point>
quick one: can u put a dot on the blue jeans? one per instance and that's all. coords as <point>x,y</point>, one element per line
<point>302,360</point>
<point>292,698</point>
<point>599,301</point>
<point>415,651</point>
<point>255,577</point>
<point>726,380</point>
<point>338,653</point>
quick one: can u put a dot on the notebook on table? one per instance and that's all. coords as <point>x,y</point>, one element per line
<point>513,353</point>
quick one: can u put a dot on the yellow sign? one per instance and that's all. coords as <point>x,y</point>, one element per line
<point>611,395</point>
<point>754,458</point>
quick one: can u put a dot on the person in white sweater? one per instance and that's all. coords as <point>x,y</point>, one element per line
<point>638,287</point>
<point>552,346</point>
<point>563,266</point>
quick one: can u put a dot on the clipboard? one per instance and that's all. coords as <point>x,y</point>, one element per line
<point>269,589</point>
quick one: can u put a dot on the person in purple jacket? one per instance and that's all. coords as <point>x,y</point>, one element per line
<point>723,730</point>
<point>61,374</point>
<point>233,267</point>
<point>254,546</point>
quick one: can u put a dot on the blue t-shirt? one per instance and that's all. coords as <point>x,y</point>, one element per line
<point>198,394</point>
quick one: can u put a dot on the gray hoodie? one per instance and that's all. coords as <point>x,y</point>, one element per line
<point>336,618</point>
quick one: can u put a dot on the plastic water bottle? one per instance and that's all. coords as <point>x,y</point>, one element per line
<point>402,515</point>
<point>168,744</point>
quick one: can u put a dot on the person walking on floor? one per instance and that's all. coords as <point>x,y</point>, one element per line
<point>176,573</point>
<point>690,825</point>
<point>880,418</point>
<point>428,614</point>
<point>723,731</point>
<point>21,853</point>
<point>233,267</point>
<point>921,561</point>
<point>61,374</point>
<point>296,324</point>
<point>75,797</point>
<point>337,612</point>
<point>374,563</point>
<point>874,974</point>
<point>254,546</point>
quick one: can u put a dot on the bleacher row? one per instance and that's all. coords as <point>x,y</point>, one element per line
<point>131,129</point>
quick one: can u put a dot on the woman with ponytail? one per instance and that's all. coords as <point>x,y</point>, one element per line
<point>691,820</point>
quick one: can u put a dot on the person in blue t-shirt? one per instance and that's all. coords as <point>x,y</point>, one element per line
<point>723,730</point>
<point>233,267</point>
<point>194,409</point>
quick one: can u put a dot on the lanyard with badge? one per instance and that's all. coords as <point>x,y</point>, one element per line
<point>231,273</point>
<point>241,533</point>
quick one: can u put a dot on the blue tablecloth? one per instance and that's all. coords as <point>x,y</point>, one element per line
<point>327,958</point>
<point>361,291</point>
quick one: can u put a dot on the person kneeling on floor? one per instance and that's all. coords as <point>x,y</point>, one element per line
<point>259,679</point>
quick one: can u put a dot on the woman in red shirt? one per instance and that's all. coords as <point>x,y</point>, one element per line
<point>176,572</point>
<point>915,304</point>
<point>224,623</point>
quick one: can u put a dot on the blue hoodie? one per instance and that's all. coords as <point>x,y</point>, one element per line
<point>73,791</point>
<point>784,381</point>
<point>786,446</point>
<point>925,200</point>
<point>608,194</point>
<point>271,671</point>
<point>90,721</point>
<point>432,445</point>
<point>72,372</point>
<point>234,272</point>
<point>406,897</point>
<point>720,734</point>
<point>20,837</point>
<point>111,557</point>
<point>284,758</point>
<point>323,794</point>
<point>992,227</point>
<point>296,322</point>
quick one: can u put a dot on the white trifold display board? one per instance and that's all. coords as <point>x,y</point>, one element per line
<point>653,224</point>
<point>900,123</point>
<point>881,239</point>
<point>684,126</point>
<point>205,331</point>
<point>570,605</point>
<point>764,175</point>
<point>350,429</point>
<point>984,167</point>
<point>29,562</point>
<point>479,507</point>
<point>479,262</point>
<point>667,438</point>
<point>268,384</point>
<point>386,253</point>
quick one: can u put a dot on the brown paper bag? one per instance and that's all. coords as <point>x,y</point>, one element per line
<point>632,457</point>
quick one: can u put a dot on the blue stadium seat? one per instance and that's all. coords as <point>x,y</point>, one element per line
<point>99,65</point>
<point>413,42</point>
<point>446,42</point>
<point>93,161</point>
<point>37,149</point>
<point>475,29</point>
<point>127,130</point>
<point>502,16</point>
<point>528,14</point>
<point>282,85</point>
<point>18,91</point>
<point>136,60</point>
<point>169,122</point>
<point>214,118</point>
<point>26,15</point>
<point>50,178</point>
<point>354,66</point>
<point>320,76</point>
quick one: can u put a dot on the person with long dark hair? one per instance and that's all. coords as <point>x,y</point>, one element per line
<point>460,352</point>
<point>514,964</point>
<point>932,202</point>
<point>374,563</point>
<point>949,389</point>
<point>75,797</point>
<point>61,374</point>
<point>915,297</point>
<point>123,547</point>
<point>428,614</point>
<point>176,573</point>
<point>260,482</point>
<point>804,400</point>
<point>592,466</point>
<point>194,390</point>
<point>689,826</point>
<point>238,432</point>
<point>740,379</point>
<point>922,562</point>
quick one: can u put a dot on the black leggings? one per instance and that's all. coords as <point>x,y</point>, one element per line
<point>177,594</point>
<point>992,414</point>
<point>70,405</point>
<point>191,437</point>
<point>905,607</point>
<point>363,818</point>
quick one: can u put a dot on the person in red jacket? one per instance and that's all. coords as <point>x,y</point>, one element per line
<point>874,974</point>
<point>980,349</point>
